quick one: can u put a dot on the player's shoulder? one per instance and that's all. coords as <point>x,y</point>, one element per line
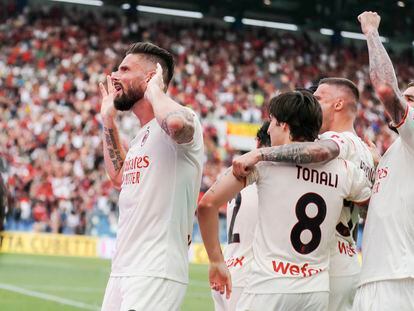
<point>341,137</point>
<point>340,165</point>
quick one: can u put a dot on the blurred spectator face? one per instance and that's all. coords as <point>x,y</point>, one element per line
<point>130,80</point>
<point>409,96</point>
<point>325,94</point>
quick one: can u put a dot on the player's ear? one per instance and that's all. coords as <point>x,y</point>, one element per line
<point>339,105</point>
<point>149,75</point>
<point>284,126</point>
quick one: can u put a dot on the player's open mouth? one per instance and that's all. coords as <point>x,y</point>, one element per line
<point>118,88</point>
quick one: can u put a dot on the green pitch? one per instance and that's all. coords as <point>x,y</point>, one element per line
<point>46,283</point>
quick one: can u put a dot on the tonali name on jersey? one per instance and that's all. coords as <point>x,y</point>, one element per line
<point>160,185</point>
<point>314,176</point>
<point>297,215</point>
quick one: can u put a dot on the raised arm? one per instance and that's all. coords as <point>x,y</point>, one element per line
<point>175,120</point>
<point>296,153</point>
<point>382,72</point>
<point>114,153</point>
<point>223,190</point>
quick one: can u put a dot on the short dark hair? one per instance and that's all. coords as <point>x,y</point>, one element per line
<point>157,55</point>
<point>311,89</point>
<point>262,136</point>
<point>301,111</point>
<point>342,82</point>
<point>410,84</point>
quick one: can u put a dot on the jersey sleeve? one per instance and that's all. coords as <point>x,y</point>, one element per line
<point>253,177</point>
<point>258,170</point>
<point>359,187</point>
<point>406,128</point>
<point>342,142</point>
<point>197,141</point>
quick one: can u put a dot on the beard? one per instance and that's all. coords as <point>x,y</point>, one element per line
<point>128,99</point>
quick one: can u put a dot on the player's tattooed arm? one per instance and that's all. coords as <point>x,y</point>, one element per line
<point>114,154</point>
<point>301,153</point>
<point>114,149</point>
<point>296,153</point>
<point>174,119</point>
<point>382,72</point>
<point>179,125</point>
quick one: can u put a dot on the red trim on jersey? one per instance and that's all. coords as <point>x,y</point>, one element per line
<point>404,117</point>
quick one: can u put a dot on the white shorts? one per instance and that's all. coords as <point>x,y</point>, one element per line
<point>143,293</point>
<point>223,304</point>
<point>342,291</point>
<point>385,296</point>
<point>316,301</point>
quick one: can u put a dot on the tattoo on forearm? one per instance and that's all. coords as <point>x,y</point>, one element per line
<point>382,74</point>
<point>301,153</point>
<point>185,134</point>
<point>113,149</point>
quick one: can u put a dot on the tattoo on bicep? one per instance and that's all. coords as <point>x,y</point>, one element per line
<point>186,133</point>
<point>113,149</point>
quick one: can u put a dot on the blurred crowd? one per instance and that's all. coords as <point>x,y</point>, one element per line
<point>51,61</point>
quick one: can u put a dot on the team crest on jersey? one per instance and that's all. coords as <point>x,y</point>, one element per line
<point>144,139</point>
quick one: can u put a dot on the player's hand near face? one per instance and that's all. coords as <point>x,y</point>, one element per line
<point>155,83</point>
<point>369,21</point>
<point>107,107</point>
<point>220,278</point>
<point>243,165</point>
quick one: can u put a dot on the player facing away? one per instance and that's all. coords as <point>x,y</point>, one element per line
<point>299,206</point>
<point>387,273</point>
<point>241,225</point>
<point>159,177</point>
<point>339,98</point>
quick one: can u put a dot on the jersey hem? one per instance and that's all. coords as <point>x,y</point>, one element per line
<point>158,276</point>
<point>385,278</point>
<point>258,292</point>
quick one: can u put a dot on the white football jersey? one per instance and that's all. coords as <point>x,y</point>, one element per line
<point>299,207</point>
<point>388,239</point>
<point>344,258</point>
<point>241,224</point>
<point>160,185</point>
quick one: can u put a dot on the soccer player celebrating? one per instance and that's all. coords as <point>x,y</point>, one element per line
<point>241,225</point>
<point>159,177</point>
<point>338,98</point>
<point>387,273</point>
<point>299,207</point>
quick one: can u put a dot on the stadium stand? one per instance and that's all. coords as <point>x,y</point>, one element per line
<point>50,66</point>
